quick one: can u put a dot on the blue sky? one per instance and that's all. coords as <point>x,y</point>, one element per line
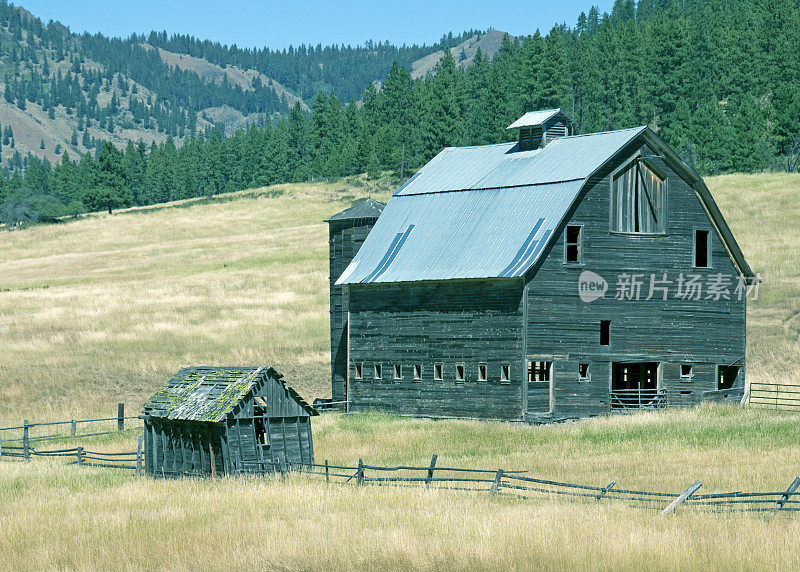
<point>250,23</point>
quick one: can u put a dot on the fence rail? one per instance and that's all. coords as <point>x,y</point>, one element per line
<point>25,438</point>
<point>775,396</point>
<point>518,484</point>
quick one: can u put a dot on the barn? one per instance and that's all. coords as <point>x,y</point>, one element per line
<point>555,276</point>
<point>209,421</point>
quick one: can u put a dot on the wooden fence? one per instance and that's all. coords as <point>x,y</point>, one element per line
<point>495,482</point>
<point>518,484</point>
<point>775,396</point>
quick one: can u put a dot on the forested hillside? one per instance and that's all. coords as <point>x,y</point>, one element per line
<point>719,80</point>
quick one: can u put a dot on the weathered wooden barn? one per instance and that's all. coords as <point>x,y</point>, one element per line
<point>226,420</point>
<point>557,276</point>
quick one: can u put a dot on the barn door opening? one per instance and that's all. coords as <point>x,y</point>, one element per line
<point>540,386</point>
<point>634,385</point>
<point>260,424</point>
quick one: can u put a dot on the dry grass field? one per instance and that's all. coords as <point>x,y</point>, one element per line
<point>105,308</point>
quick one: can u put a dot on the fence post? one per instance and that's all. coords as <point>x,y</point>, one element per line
<point>430,471</point>
<point>139,457</point>
<point>26,454</point>
<point>327,476</point>
<point>282,459</point>
<point>784,497</point>
<point>1,448</point>
<point>607,488</point>
<point>120,416</point>
<point>360,473</point>
<point>79,454</point>
<point>682,498</point>
<point>496,484</point>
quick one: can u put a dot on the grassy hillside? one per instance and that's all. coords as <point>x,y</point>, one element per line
<point>105,308</point>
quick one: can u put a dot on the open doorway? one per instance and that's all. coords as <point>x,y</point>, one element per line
<point>634,385</point>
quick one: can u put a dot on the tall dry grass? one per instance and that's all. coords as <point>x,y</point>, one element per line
<point>105,308</point>
<point>57,516</point>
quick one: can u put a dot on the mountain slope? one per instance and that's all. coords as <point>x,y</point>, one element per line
<point>463,53</point>
<point>247,80</point>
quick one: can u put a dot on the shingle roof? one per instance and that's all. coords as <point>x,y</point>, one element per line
<point>366,209</point>
<point>209,393</point>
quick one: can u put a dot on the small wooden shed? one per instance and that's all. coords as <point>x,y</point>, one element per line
<point>226,420</point>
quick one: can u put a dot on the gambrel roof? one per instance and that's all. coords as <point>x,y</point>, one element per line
<point>491,211</point>
<point>211,393</point>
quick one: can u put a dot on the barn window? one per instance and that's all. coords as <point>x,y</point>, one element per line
<point>702,249</point>
<point>726,376</point>
<point>437,371</point>
<point>539,371</point>
<point>687,371</point>
<point>505,373</point>
<point>572,245</point>
<point>359,370</point>
<point>605,332</point>
<point>638,199</point>
<point>583,372</point>
<point>417,371</point>
<point>398,371</point>
<point>460,372</point>
<point>481,372</point>
<point>378,371</point>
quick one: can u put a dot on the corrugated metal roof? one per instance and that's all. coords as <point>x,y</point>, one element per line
<point>534,118</point>
<point>366,209</point>
<point>210,393</point>
<point>492,166</point>
<point>467,234</point>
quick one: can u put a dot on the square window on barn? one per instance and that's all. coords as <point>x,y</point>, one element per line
<point>359,370</point>
<point>460,372</point>
<point>572,245</point>
<point>727,376</point>
<point>702,249</point>
<point>505,373</point>
<point>417,371</point>
<point>605,332</point>
<point>583,372</point>
<point>539,371</point>
<point>481,372</point>
<point>687,371</point>
<point>638,199</point>
<point>437,371</point>
<point>377,371</point>
<point>398,371</point>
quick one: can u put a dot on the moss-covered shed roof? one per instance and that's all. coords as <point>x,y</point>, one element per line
<point>211,393</point>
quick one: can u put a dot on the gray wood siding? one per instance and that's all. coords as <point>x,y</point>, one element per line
<point>345,238</point>
<point>704,333</point>
<point>467,322</point>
